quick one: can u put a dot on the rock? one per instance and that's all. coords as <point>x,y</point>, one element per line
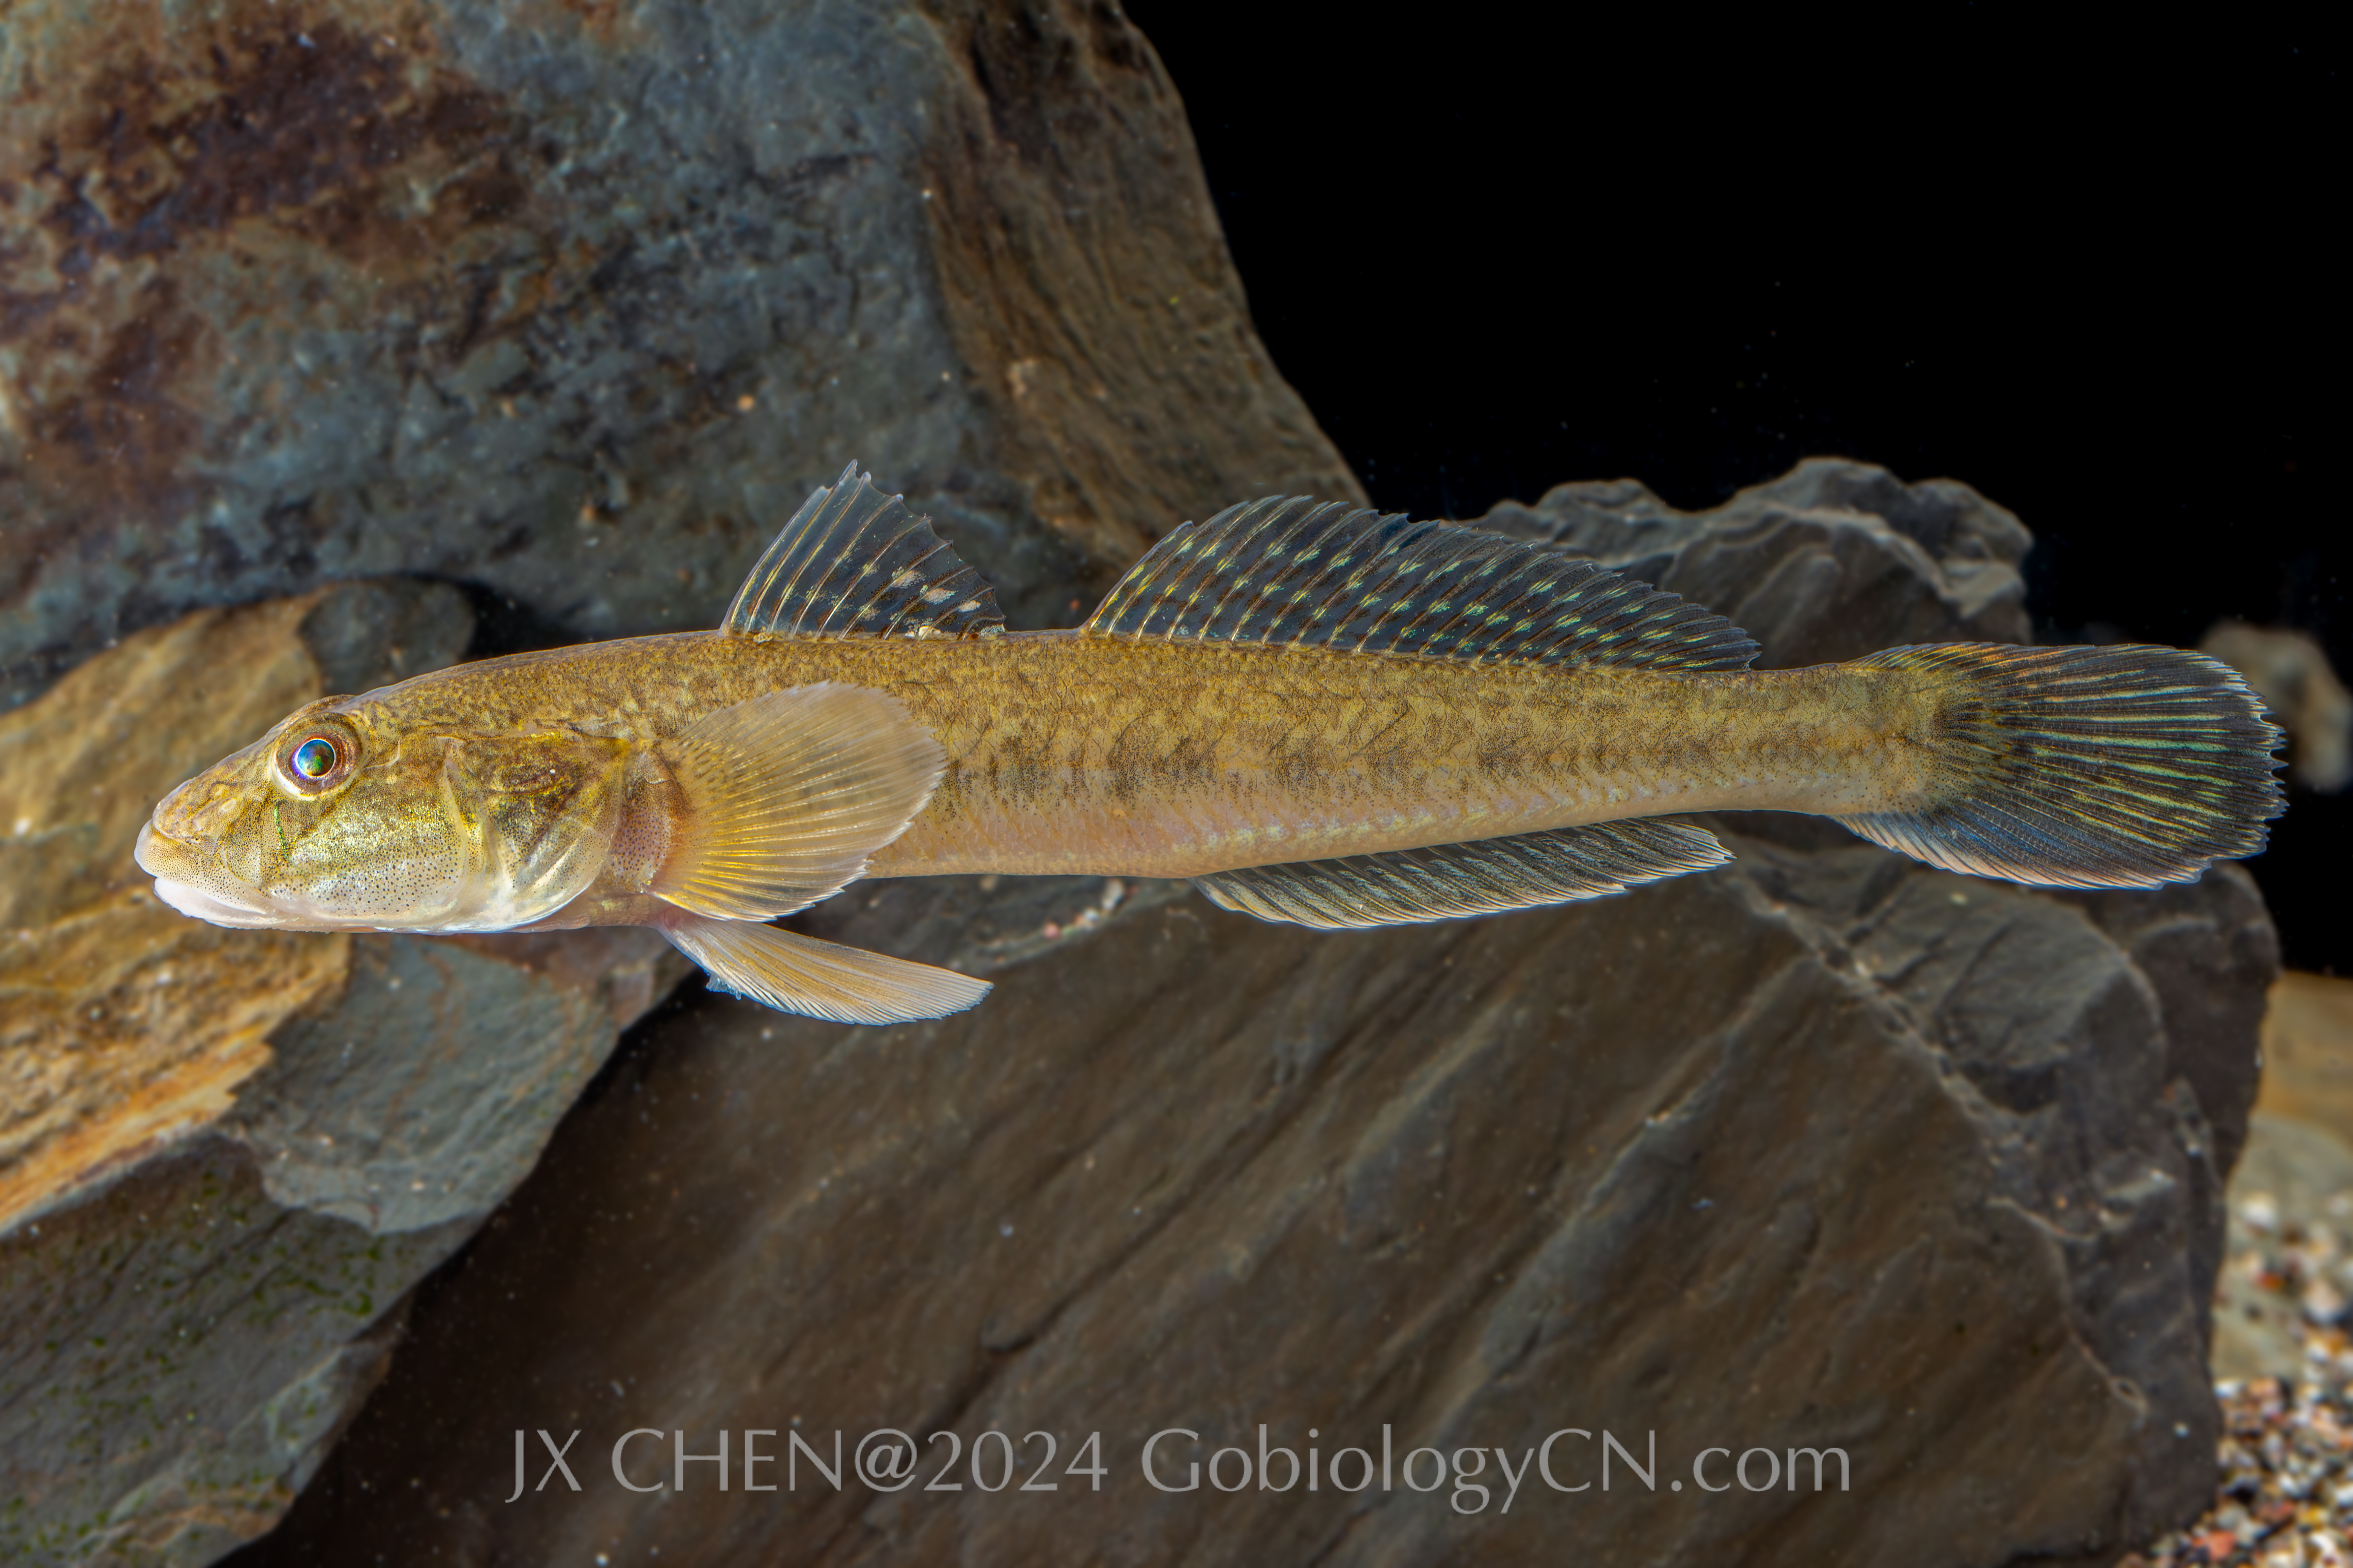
<point>564,308</point>
<point>1825,1150</point>
<point>2290,1247</point>
<point>1795,562</point>
<point>2290,671</point>
<point>226,1155</point>
<point>2308,1052</point>
<point>2215,965</point>
<point>2288,1266</point>
<point>567,305</point>
<point>1193,1173</point>
<point>125,1020</point>
<point>293,293</point>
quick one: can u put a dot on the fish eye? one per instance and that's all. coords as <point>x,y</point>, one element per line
<point>314,758</point>
<point>319,759</point>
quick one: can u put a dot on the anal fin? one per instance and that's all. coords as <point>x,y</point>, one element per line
<point>1455,881</point>
<point>797,973</point>
<point>784,796</point>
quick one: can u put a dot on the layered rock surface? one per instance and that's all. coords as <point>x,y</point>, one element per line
<point>291,292</point>
<point>1831,560</point>
<point>2308,1051</point>
<point>1822,1149</point>
<point>568,303</point>
<point>225,1156</point>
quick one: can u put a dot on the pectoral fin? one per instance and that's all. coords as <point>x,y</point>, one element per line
<point>784,797</point>
<point>817,979</point>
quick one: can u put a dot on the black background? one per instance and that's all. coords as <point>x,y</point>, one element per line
<point>1498,249</point>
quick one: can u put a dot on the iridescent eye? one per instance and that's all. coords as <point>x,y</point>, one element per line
<point>314,759</point>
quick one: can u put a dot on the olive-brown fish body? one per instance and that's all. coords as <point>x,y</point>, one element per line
<point>1075,755</point>
<point>1320,716</point>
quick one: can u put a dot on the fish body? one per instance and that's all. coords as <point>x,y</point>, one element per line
<point>1320,715</point>
<point>1066,756</point>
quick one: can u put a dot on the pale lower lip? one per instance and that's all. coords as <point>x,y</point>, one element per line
<point>159,856</point>
<point>191,899</point>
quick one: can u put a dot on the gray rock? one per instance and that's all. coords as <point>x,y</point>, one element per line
<point>188,1331</point>
<point>379,630</point>
<point>1804,1153</point>
<point>565,308</point>
<point>382,1113</point>
<point>1797,560</point>
<point>1825,1150</point>
<point>2290,671</point>
<point>575,304</point>
<point>225,1156</point>
<point>566,305</point>
<point>181,1351</point>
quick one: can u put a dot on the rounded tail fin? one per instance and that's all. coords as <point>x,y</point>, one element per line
<point>2120,766</point>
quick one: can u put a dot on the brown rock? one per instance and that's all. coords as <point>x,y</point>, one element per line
<point>571,305</point>
<point>291,292</point>
<point>1822,1150</point>
<point>2308,1052</point>
<point>225,1156</point>
<point>2290,671</point>
<point>1819,1152</point>
<point>1833,559</point>
<point>125,1020</point>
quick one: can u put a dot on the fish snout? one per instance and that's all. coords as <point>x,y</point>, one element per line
<point>201,810</point>
<point>161,856</point>
<point>190,879</point>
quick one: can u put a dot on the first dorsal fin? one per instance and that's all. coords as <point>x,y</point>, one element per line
<point>1289,573</point>
<point>856,563</point>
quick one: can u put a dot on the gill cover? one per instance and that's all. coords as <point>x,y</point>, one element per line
<point>536,816</point>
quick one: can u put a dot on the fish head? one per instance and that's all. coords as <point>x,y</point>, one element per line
<point>343,819</point>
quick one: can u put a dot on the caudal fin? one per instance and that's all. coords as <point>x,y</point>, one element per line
<point>2122,766</point>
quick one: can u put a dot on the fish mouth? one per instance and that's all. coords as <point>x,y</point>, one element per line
<point>191,899</point>
<point>190,884</point>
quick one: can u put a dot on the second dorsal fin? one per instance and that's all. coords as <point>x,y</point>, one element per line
<point>1286,572</point>
<point>856,563</point>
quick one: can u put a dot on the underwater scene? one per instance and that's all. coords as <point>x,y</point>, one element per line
<point>1024,781</point>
